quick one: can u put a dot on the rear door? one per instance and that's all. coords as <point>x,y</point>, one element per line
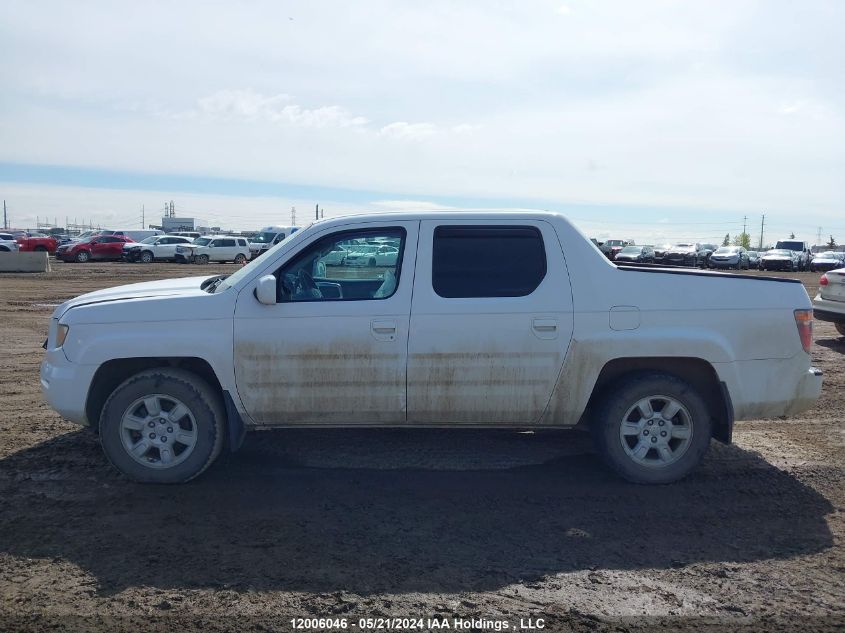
<point>165,247</point>
<point>491,322</point>
<point>107,247</point>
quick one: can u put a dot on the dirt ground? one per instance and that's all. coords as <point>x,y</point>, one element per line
<point>465,527</point>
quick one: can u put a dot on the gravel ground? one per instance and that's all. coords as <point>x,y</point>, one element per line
<point>482,527</point>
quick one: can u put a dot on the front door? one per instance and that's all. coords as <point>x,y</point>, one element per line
<point>491,322</point>
<point>333,349</point>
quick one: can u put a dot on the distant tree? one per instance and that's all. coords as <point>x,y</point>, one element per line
<point>727,240</point>
<point>792,236</point>
<point>832,242</point>
<point>743,239</point>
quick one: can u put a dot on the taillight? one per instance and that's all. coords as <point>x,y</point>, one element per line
<point>804,322</point>
<point>824,280</point>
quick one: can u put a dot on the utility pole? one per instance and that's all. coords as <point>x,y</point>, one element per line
<point>293,216</point>
<point>819,239</point>
<point>143,219</point>
<point>762,225</point>
<point>744,222</point>
<point>316,211</point>
<point>5,219</point>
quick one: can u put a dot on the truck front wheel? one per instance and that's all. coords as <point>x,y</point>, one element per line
<point>162,426</point>
<point>651,428</point>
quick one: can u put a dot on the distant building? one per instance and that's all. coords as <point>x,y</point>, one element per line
<point>183,224</point>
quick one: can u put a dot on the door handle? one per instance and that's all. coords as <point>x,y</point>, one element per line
<point>544,325</point>
<point>383,329</point>
<point>544,328</point>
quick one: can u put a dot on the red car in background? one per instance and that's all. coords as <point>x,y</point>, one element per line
<point>29,242</point>
<point>99,247</point>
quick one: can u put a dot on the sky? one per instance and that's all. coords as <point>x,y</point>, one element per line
<point>654,120</point>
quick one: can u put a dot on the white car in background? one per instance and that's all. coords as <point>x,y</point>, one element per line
<point>153,248</point>
<point>371,255</point>
<point>8,243</point>
<point>336,256</point>
<point>214,248</point>
<point>829,304</point>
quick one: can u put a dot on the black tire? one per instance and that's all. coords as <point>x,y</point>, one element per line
<point>623,395</point>
<point>201,259</point>
<point>240,258</point>
<point>40,249</point>
<point>204,404</point>
<point>83,257</point>
<point>372,262</point>
<point>146,257</point>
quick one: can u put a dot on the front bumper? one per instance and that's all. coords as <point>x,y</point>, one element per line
<point>776,264</point>
<point>723,263</point>
<point>65,385</point>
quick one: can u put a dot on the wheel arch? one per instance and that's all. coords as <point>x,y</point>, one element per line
<point>696,371</point>
<point>113,372</point>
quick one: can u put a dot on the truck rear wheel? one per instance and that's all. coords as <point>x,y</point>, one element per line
<point>652,428</point>
<point>162,426</point>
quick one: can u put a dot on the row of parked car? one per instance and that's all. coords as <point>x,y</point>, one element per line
<point>788,255</point>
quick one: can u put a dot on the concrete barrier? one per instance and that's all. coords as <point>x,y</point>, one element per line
<point>37,262</point>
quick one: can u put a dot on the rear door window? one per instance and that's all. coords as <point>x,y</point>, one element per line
<point>487,261</point>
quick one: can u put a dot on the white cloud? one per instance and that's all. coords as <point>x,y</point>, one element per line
<point>251,105</point>
<point>408,131</point>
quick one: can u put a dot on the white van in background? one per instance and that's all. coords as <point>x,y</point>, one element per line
<point>268,237</point>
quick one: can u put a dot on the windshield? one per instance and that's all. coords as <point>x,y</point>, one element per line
<point>202,241</point>
<point>614,242</point>
<point>264,238</point>
<point>827,255</point>
<point>792,246</point>
<point>634,250</point>
<point>725,250</point>
<point>150,240</point>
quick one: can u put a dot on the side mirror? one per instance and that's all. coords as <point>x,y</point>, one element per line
<point>265,291</point>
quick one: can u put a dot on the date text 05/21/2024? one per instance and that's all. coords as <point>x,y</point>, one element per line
<point>418,624</point>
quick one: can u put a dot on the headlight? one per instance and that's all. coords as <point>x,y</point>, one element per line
<point>61,334</point>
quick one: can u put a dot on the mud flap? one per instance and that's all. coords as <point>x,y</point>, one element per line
<point>724,427</point>
<point>235,426</point>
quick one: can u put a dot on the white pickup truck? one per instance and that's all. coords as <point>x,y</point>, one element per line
<point>486,320</point>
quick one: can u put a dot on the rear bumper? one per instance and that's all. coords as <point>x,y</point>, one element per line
<point>826,310</point>
<point>65,385</point>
